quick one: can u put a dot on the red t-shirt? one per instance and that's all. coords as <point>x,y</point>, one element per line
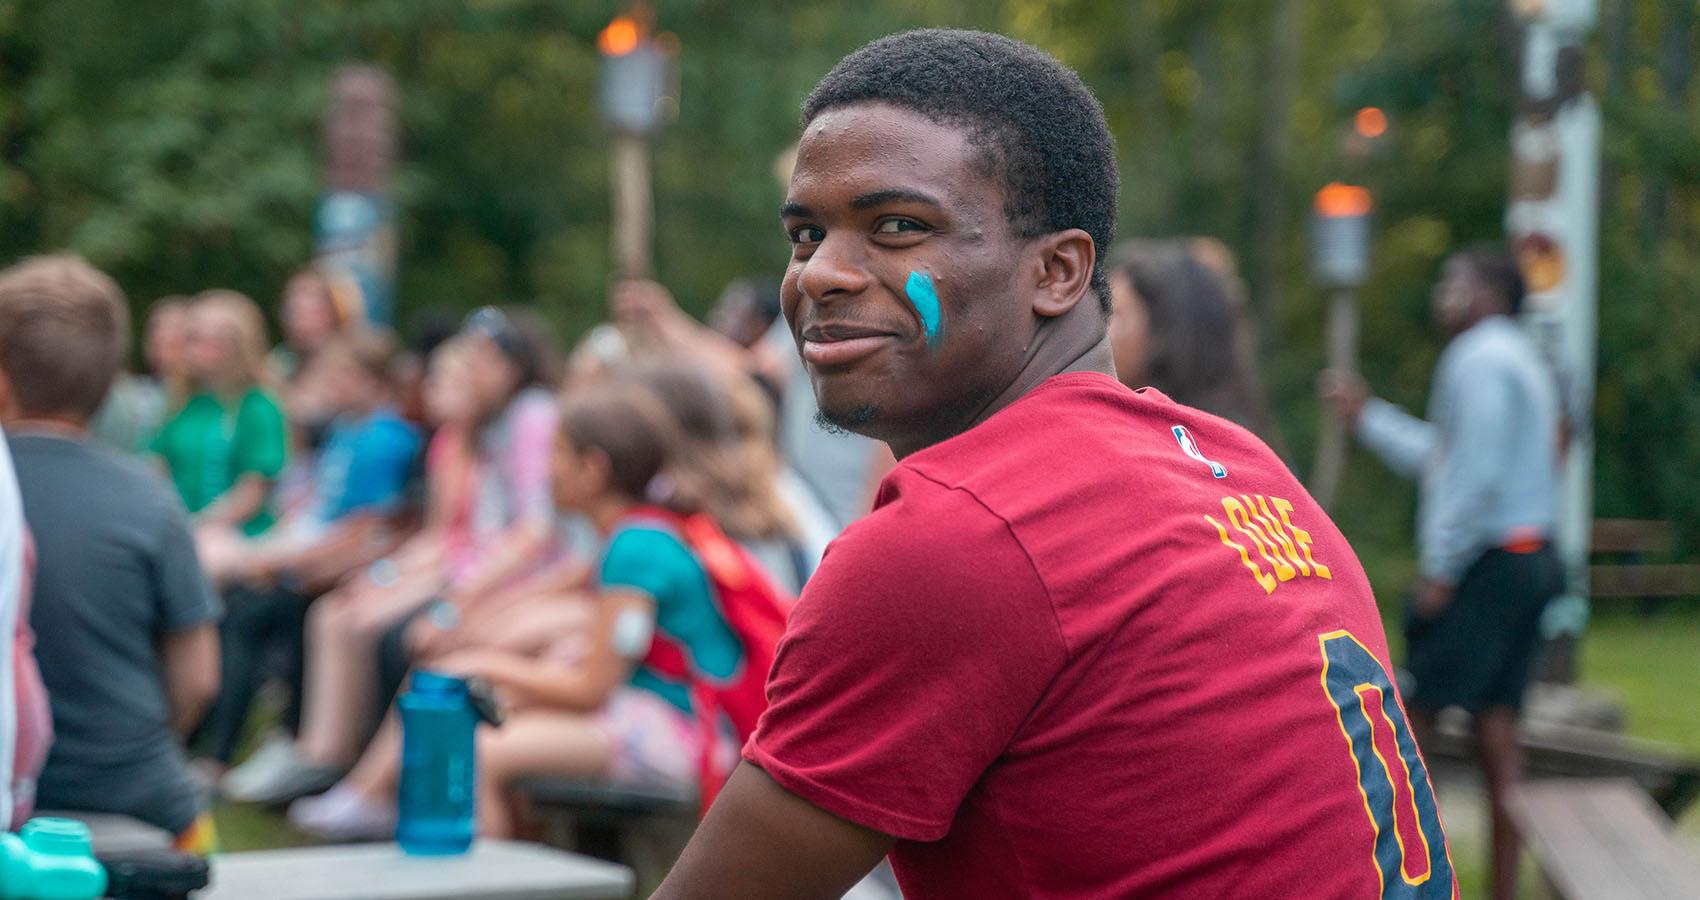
<point>1104,645</point>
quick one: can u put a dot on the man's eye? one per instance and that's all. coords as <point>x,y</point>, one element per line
<point>897,226</point>
<point>807,234</point>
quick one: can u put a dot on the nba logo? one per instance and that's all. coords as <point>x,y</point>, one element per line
<point>1190,448</point>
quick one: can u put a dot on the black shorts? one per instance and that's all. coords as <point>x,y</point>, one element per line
<point>1479,650</point>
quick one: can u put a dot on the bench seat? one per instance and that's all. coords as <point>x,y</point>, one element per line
<point>1603,839</point>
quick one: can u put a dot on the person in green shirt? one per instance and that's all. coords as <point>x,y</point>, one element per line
<point>229,441</point>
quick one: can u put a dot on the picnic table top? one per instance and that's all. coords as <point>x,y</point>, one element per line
<point>492,870</point>
<point>1604,838</point>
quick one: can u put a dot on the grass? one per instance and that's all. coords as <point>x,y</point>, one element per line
<point>245,827</point>
<point>1653,663</point>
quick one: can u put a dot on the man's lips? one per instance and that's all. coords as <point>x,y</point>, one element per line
<point>837,345</point>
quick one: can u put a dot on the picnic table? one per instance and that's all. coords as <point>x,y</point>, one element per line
<point>1603,839</point>
<point>492,870</point>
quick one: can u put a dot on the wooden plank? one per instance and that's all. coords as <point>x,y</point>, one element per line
<point>492,870</point>
<point>113,833</point>
<point>1603,839</point>
<point>1651,580</point>
<point>634,797</point>
<point>1672,778</point>
<point>1640,836</point>
<point>1551,832</point>
<point>1630,536</point>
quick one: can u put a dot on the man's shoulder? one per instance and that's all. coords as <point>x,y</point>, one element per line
<point>1075,431</point>
<point>1495,342</point>
<point>1060,413</point>
<point>923,531</point>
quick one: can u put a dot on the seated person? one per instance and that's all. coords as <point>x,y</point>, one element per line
<point>359,480</point>
<point>491,524</point>
<point>126,622</point>
<point>581,699</point>
<point>728,468</point>
<point>228,443</point>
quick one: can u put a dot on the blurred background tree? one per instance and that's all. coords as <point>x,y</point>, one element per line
<point>178,148</point>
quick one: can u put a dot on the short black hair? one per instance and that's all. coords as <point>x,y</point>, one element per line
<point>1496,270</point>
<point>1039,122</point>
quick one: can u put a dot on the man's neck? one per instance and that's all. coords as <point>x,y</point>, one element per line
<point>49,426</point>
<point>1486,315</point>
<point>1073,342</point>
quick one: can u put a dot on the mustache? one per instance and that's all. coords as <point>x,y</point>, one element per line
<point>838,327</point>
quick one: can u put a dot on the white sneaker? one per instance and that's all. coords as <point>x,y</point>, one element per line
<point>276,774</point>
<point>343,815</point>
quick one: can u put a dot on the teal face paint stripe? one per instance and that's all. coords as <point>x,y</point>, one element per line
<point>926,302</point>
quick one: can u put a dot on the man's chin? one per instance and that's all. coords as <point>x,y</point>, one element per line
<point>848,420</point>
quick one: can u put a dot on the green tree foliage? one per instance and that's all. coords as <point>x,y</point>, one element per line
<point>177,145</point>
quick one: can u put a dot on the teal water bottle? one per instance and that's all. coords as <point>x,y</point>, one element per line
<point>438,766</point>
<point>50,859</point>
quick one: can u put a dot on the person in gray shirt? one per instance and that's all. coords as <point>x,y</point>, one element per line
<point>1486,459</point>
<point>125,620</point>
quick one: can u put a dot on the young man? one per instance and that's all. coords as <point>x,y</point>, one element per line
<point>1487,458</point>
<point>125,621</point>
<point>1090,643</point>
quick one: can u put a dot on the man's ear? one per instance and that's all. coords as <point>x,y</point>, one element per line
<point>1066,260</point>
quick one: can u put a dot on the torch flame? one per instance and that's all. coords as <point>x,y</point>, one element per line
<point>1337,200</point>
<point>620,37</point>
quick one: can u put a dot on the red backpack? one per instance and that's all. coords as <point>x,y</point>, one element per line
<point>755,609</point>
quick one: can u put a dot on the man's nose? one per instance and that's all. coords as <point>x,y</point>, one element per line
<point>835,270</point>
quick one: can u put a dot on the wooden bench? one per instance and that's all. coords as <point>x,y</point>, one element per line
<point>491,870</point>
<point>1625,544</point>
<point>1670,778</point>
<point>1603,839</point>
<point>642,825</point>
<point>114,833</point>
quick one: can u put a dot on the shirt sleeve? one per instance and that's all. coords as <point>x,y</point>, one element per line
<point>262,445</point>
<point>1402,440</point>
<point>1474,455</point>
<point>922,643</point>
<point>657,563</point>
<point>641,559</point>
<point>184,598</point>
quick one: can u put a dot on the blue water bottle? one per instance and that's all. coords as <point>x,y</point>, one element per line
<point>438,769</point>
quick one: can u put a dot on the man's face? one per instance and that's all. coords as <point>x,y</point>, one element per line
<point>1454,298</point>
<point>903,290</point>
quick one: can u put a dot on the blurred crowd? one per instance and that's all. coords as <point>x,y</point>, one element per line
<point>242,549</point>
